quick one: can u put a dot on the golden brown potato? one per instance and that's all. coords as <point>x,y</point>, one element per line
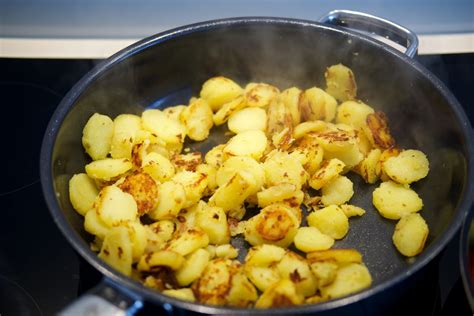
<point>171,199</point>
<point>125,128</point>
<point>97,136</point>
<point>329,171</point>
<point>280,193</point>
<point>194,184</point>
<point>340,82</point>
<point>108,169</point>
<point>279,168</point>
<point>117,250</point>
<point>82,193</point>
<point>158,167</point>
<point>291,98</point>
<point>250,143</point>
<point>409,166</point>
<point>330,220</point>
<point>159,259</point>
<point>197,117</point>
<point>227,110</point>
<point>339,256</point>
<point>352,210</point>
<point>188,241</point>
<point>281,294</point>
<point>193,267</point>
<point>337,192</point>
<point>410,235</point>
<point>350,278</point>
<point>248,119</point>
<point>275,224</point>
<point>264,255</point>
<point>304,128</point>
<point>213,221</point>
<point>367,168</point>
<point>324,271</point>
<point>386,154</point>
<point>226,251</point>
<point>294,267</point>
<point>182,294</point>
<point>260,94</point>
<point>219,90</point>
<point>115,206</point>
<point>393,200</point>
<point>316,104</point>
<point>233,193</point>
<point>215,156</point>
<point>279,118</point>
<point>309,239</point>
<point>169,130</point>
<point>377,131</point>
<point>143,189</point>
<point>214,283</point>
<point>241,163</point>
<point>187,162</point>
<point>353,113</point>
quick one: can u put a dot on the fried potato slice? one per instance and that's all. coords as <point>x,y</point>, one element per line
<point>248,119</point>
<point>184,294</point>
<point>353,113</point>
<point>283,293</point>
<point>329,171</point>
<point>82,193</point>
<point>143,189</point>
<point>377,130</point>
<point>117,250</point>
<point>158,167</point>
<point>218,91</point>
<point>393,200</point>
<point>260,94</point>
<point>410,235</point>
<point>316,104</point>
<point>188,241</point>
<point>171,199</point>
<point>330,221</point>
<point>352,210</point>
<point>339,256</point>
<point>409,166</point>
<point>250,143</point>
<point>123,139</point>
<point>198,119</point>
<point>169,130</point>
<point>338,191</point>
<point>227,110</point>
<point>193,267</point>
<point>280,167</point>
<point>309,239</point>
<point>159,259</point>
<point>350,278</point>
<point>108,169</point>
<point>294,267</point>
<point>340,82</point>
<point>115,206</point>
<point>97,136</point>
<point>291,98</point>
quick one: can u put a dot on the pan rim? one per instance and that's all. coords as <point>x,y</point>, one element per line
<point>82,248</point>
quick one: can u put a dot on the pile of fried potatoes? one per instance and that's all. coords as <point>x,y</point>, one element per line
<point>166,216</point>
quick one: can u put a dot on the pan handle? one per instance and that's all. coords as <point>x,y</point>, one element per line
<point>106,298</point>
<point>374,25</point>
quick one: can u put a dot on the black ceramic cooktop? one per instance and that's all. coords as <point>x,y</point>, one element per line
<point>39,271</point>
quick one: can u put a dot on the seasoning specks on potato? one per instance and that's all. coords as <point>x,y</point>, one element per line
<point>169,217</point>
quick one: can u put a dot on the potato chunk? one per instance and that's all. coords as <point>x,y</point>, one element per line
<point>409,166</point>
<point>352,210</point>
<point>367,168</point>
<point>115,206</point>
<point>350,278</point>
<point>82,193</point>
<point>339,256</point>
<point>189,241</point>
<point>316,104</point>
<point>232,195</point>
<point>227,110</point>
<point>143,189</point>
<point>117,250</point>
<point>353,113</point>
<point>331,221</point>
<point>158,167</point>
<point>329,171</point>
<point>338,191</point>
<point>248,119</point>
<point>393,200</point>
<point>291,98</point>
<point>410,235</point>
<point>182,294</point>
<point>214,282</point>
<point>219,90</point>
<point>171,199</point>
<point>275,224</point>
<point>294,267</point>
<point>162,258</point>
<point>281,167</point>
<point>213,221</point>
<point>97,136</point>
<point>283,293</point>
<point>168,129</point>
<point>193,267</point>
<point>197,117</point>
<point>340,82</point>
<point>194,184</point>
<point>94,225</point>
<point>377,131</point>
<point>279,193</point>
<point>260,94</point>
<point>108,169</point>
<point>250,143</point>
<point>125,128</point>
<point>309,239</point>
<point>241,163</point>
<point>264,255</point>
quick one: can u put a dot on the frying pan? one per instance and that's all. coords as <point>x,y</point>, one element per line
<point>168,68</point>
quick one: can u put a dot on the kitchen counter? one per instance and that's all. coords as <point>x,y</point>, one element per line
<point>99,28</point>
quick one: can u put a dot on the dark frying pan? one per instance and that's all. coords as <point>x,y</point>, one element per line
<point>166,69</point>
